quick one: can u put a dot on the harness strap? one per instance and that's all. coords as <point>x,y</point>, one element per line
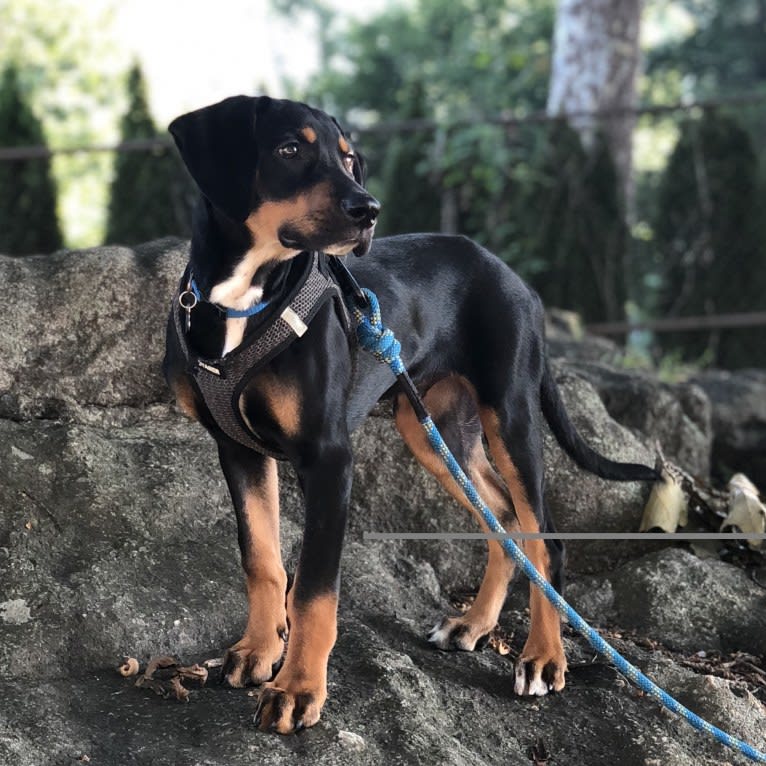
<point>230,313</point>
<point>222,381</point>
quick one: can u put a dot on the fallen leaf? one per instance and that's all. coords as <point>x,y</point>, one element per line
<point>666,508</point>
<point>129,668</point>
<point>182,694</point>
<point>165,676</point>
<point>746,511</point>
<point>157,663</point>
<point>194,673</point>
<point>740,481</point>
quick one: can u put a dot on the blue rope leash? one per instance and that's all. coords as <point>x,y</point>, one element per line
<point>382,344</point>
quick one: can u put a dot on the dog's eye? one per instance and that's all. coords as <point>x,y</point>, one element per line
<point>348,162</point>
<point>288,151</point>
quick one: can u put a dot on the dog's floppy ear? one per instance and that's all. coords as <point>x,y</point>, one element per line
<point>217,145</point>
<point>360,168</point>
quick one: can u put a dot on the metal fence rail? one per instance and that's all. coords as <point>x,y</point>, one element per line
<point>11,153</point>
<point>704,322</point>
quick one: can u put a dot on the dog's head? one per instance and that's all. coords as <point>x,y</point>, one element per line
<point>283,169</point>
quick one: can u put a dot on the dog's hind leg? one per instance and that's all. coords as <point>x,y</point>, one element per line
<point>515,441</point>
<point>253,483</point>
<point>454,410</point>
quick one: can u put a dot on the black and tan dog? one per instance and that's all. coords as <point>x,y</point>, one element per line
<point>279,180</point>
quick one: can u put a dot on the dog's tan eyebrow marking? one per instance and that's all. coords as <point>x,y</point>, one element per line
<point>309,134</point>
<point>343,144</point>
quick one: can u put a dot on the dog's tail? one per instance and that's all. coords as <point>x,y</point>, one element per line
<point>576,447</point>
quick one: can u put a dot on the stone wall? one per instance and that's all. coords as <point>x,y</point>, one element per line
<point>117,537</point>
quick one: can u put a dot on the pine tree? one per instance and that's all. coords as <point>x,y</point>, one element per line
<point>707,229</point>
<point>151,193</point>
<point>28,221</point>
<point>569,225</point>
<point>411,198</point>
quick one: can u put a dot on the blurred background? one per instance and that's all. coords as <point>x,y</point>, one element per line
<point>612,151</point>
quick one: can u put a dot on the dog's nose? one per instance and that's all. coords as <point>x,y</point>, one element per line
<point>361,209</point>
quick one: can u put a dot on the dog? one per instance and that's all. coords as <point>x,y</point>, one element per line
<point>280,182</point>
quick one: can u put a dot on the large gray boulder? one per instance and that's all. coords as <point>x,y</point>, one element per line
<point>739,421</point>
<point>677,416</point>
<point>86,329</point>
<point>117,537</point>
<point>690,604</point>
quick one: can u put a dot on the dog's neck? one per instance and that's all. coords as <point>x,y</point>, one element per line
<point>232,270</point>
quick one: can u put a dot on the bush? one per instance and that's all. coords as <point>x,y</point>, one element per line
<point>707,230</point>
<point>28,220</point>
<point>151,194</point>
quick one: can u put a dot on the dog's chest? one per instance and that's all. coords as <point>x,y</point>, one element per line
<point>230,293</point>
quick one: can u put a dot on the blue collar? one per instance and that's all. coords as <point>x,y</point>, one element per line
<point>230,313</point>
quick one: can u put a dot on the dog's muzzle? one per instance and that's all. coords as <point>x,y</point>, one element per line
<point>361,209</point>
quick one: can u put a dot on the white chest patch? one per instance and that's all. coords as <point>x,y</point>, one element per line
<point>235,331</point>
<point>231,295</point>
<point>238,292</point>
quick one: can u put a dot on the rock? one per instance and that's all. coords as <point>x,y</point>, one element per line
<point>351,740</point>
<point>684,602</point>
<point>105,533</point>
<point>567,339</point>
<point>15,612</point>
<point>410,704</point>
<point>581,502</point>
<point>107,371</point>
<point>739,422</point>
<point>104,314</point>
<point>678,416</point>
<point>117,537</point>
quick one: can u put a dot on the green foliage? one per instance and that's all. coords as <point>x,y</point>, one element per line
<point>68,68</point>
<point>408,179</point>
<point>468,57</point>
<point>28,222</point>
<point>707,230</point>
<point>724,54</point>
<point>530,194</point>
<point>150,194</point>
<point>568,222</point>
<point>725,51</point>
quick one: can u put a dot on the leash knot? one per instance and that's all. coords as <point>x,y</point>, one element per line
<point>373,337</point>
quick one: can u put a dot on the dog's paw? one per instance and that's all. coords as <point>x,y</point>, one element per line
<point>253,662</point>
<point>458,634</point>
<point>287,711</point>
<point>537,675</point>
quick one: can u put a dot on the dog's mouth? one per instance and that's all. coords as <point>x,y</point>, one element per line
<point>357,241</point>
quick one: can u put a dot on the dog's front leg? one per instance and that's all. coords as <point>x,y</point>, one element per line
<point>253,483</point>
<point>294,699</point>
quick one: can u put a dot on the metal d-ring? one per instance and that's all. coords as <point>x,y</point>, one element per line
<point>187,300</point>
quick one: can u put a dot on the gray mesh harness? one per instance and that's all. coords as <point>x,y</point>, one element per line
<point>222,381</point>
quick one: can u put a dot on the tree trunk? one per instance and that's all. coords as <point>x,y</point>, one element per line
<point>595,62</point>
